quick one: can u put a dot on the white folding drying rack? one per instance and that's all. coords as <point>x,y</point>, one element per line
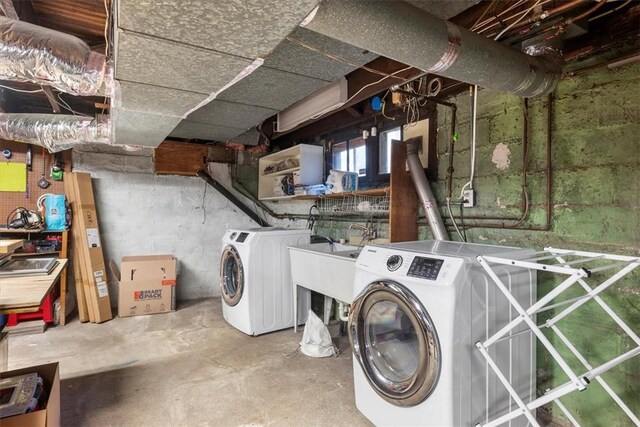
<point>623,264</point>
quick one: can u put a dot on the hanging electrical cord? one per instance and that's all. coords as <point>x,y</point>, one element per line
<point>340,58</point>
<point>469,184</point>
<point>497,19</point>
<point>455,225</point>
<point>107,45</point>
<point>67,106</point>
<point>517,21</point>
<point>21,90</point>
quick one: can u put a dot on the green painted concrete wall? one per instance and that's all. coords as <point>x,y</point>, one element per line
<point>596,206</point>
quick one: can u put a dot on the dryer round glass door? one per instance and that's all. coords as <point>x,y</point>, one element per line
<point>231,276</point>
<point>395,343</point>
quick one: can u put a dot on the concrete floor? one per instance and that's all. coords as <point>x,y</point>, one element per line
<point>189,368</point>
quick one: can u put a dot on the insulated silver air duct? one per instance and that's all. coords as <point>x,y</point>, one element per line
<point>425,194</point>
<point>29,53</point>
<point>412,36</point>
<point>56,132</point>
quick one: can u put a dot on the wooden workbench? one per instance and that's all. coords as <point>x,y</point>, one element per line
<point>8,246</point>
<point>25,294</point>
<point>63,253</point>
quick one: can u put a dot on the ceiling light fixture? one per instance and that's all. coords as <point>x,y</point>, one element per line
<point>313,106</point>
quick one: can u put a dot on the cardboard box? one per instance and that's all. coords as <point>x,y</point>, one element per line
<point>147,285</point>
<point>49,416</point>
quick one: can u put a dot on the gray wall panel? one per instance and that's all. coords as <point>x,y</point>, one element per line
<point>231,114</point>
<point>247,28</point>
<point>292,57</point>
<point>271,88</point>
<point>136,128</point>
<point>164,63</point>
<point>193,130</point>
<point>158,100</point>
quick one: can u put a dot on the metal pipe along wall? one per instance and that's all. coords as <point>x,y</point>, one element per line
<point>425,194</point>
<point>412,36</point>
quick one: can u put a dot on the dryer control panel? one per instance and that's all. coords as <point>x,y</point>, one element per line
<point>425,268</point>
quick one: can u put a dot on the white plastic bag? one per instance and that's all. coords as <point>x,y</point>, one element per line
<point>316,340</point>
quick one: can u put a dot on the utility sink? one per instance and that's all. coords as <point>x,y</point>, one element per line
<point>325,268</point>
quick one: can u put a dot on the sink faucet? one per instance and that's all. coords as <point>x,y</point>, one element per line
<point>366,232</point>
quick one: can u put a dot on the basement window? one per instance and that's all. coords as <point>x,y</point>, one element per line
<point>370,158</point>
<point>384,149</point>
<point>350,156</point>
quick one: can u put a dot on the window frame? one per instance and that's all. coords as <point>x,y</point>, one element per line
<point>372,178</point>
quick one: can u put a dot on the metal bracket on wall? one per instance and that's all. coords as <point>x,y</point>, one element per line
<point>562,262</point>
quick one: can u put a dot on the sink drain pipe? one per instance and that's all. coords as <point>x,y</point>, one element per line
<point>427,199</point>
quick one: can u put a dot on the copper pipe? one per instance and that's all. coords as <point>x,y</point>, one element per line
<point>601,64</point>
<point>559,27</point>
<point>586,13</point>
<point>565,7</point>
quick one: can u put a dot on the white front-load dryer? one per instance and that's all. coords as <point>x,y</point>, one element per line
<point>255,278</point>
<point>419,308</point>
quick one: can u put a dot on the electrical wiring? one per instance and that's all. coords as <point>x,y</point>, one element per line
<point>339,58</point>
<point>517,21</point>
<point>316,117</point>
<point>610,11</point>
<point>492,4</point>
<point>107,47</point>
<point>384,106</point>
<point>376,82</point>
<point>481,27</point>
<point>364,87</point>
<point>67,106</point>
<point>106,28</point>
<point>509,18</point>
<point>469,184</point>
<point>21,90</point>
<point>455,225</point>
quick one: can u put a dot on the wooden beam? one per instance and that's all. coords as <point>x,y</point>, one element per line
<point>354,112</point>
<point>220,154</point>
<point>8,9</point>
<point>403,203</point>
<point>180,158</point>
<point>24,11</point>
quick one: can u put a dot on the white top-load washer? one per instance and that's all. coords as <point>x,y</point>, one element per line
<point>255,278</point>
<point>419,308</point>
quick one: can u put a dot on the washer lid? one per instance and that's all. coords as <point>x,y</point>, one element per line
<point>394,341</point>
<point>231,276</point>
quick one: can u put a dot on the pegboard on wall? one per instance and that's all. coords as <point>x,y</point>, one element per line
<point>9,200</point>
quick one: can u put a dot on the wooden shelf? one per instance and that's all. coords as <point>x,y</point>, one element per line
<point>283,172</point>
<point>373,192</point>
<point>308,170</point>
<point>25,231</point>
<point>29,254</point>
<point>279,198</point>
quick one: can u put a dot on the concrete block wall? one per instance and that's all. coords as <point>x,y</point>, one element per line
<point>595,197</point>
<point>596,206</point>
<point>144,214</point>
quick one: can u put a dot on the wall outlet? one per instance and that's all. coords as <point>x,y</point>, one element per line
<point>469,199</point>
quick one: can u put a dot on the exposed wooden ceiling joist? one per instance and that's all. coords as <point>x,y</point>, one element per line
<point>8,9</point>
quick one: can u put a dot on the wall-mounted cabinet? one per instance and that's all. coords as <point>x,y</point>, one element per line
<point>278,173</point>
